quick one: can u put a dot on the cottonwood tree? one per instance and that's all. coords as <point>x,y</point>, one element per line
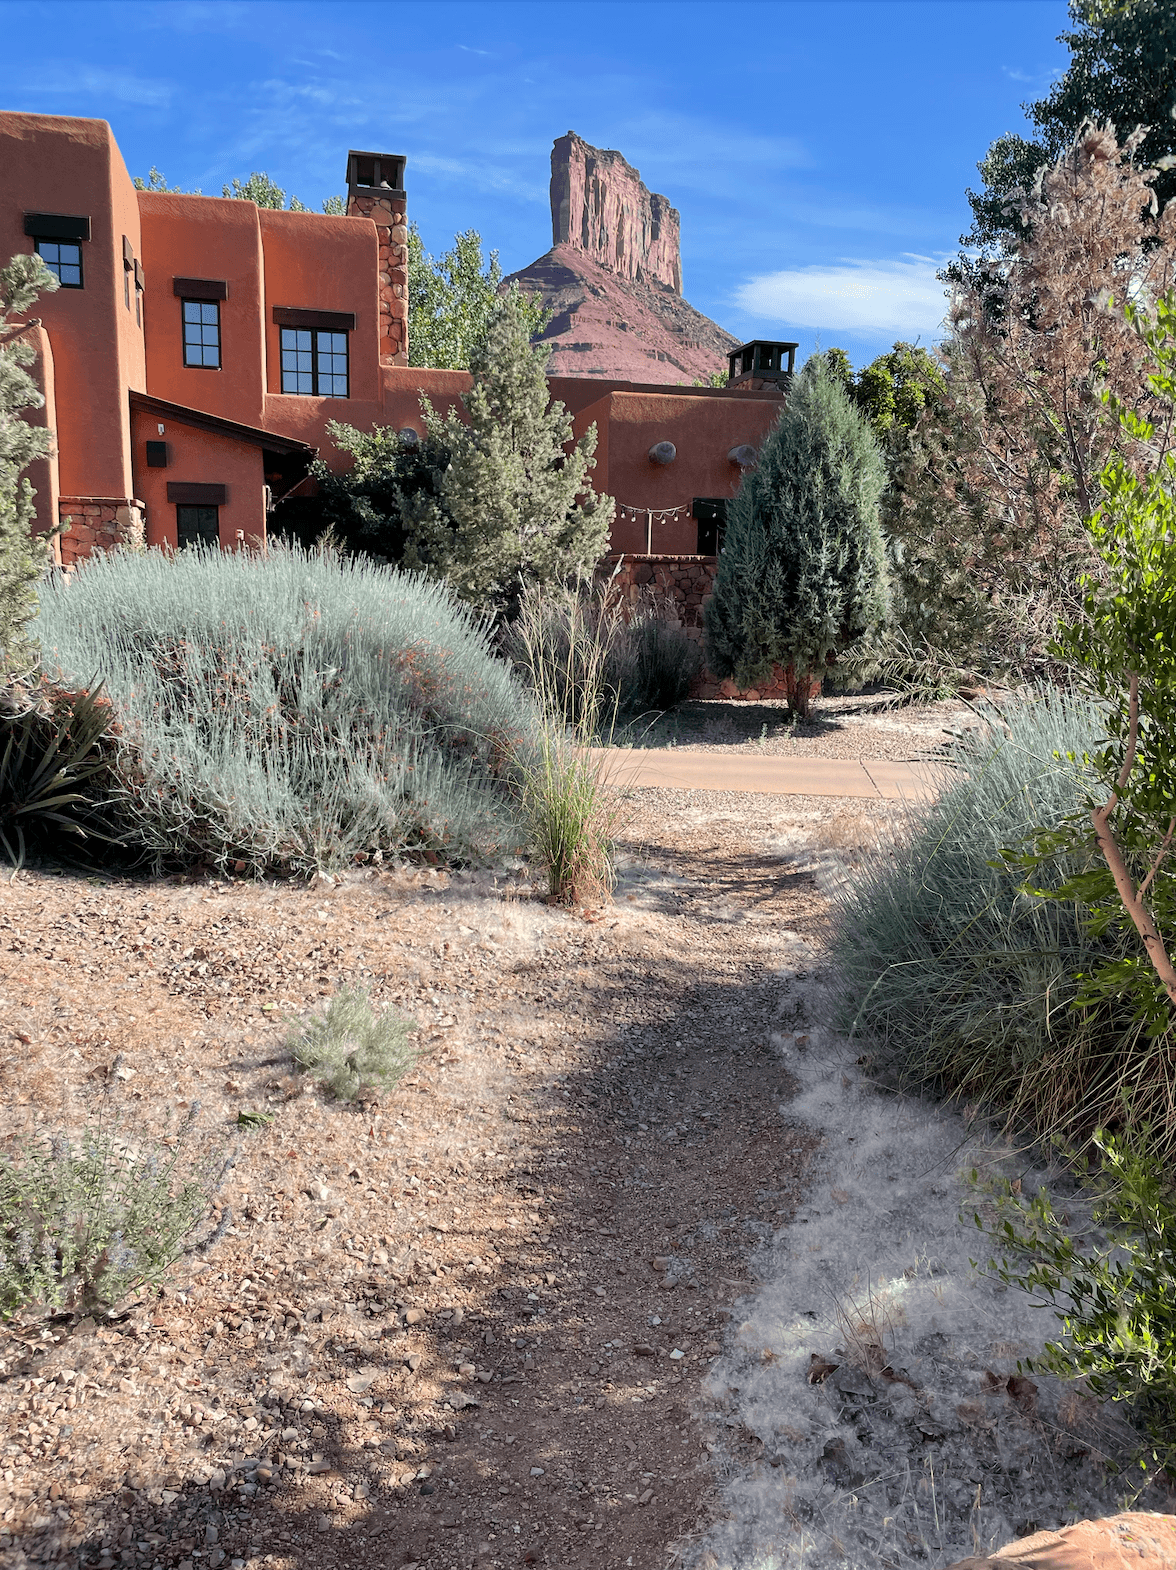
<point>515,505</point>
<point>451,299</point>
<point>803,572</point>
<point>1122,70</point>
<point>989,498</point>
<point>23,558</point>
<point>258,188</point>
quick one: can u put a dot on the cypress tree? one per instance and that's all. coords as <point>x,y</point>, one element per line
<point>803,567</point>
<point>23,559</point>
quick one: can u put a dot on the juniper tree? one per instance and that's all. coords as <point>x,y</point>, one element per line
<point>803,567</point>
<point>515,505</point>
<point>23,559</point>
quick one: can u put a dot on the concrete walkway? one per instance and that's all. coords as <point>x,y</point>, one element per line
<point>685,768</point>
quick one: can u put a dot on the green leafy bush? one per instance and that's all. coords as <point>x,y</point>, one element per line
<point>86,1222</point>
<point>1119,1314</point>
<point>964,985</point>
<point>349,1048</point>
<point>291,712</point>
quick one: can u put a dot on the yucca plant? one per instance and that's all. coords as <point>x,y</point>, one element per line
<point>44,757</point>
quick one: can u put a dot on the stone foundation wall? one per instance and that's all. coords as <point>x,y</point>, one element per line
<point>685,584</point>
<point>98,522</point>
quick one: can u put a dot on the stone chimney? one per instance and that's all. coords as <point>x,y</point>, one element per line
<point>600,206</point>
<point>375,190</point>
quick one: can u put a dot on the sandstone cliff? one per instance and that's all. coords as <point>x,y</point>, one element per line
<point>613,277</point>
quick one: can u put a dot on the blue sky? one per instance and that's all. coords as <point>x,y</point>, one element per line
<point>818,150</point>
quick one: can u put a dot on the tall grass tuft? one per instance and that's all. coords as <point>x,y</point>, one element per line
<point>568,804</point>
<point>641,660</point>
<point>963,986</point>
<point>291,712</point>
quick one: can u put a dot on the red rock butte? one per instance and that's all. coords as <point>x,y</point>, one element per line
<point>613,277</point>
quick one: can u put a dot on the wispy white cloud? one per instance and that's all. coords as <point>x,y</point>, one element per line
<point>887,296</point>
<point>87,81</point>
<point>470,51</point>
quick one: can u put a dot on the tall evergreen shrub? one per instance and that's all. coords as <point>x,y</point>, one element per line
<point>803,568</point>
<point>22,559</point>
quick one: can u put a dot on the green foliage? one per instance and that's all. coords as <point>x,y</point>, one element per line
<point>963,985</point>
<point>451,301</point>
<point>23,558</point>
<point>803,570</point>
<point>158,182</point>
<point>85,1222</point>
<point>257,188</point>
<point>564,794</point>
<point>350,1050</point>
<point>715,379</point>
<point>392,474</point>
<point>292,713</point>
<point>581,644</point>
<point>515,505</point>
<point>1123,650</point>
<point>1122,68</point>
<point>1119,1298</point>
<point>45,754</point>
<point>893,390</point>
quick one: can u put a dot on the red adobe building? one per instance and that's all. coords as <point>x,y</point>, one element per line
<point>198,347</point>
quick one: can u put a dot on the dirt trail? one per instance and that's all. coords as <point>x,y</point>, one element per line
<point>467,1326</point>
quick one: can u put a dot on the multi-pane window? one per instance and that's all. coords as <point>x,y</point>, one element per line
<point>202,344</point>
<point>63,258</point>
<point>197,523</point>
<point>314,362</point>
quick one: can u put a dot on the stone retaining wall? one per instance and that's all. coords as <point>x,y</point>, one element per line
<point>98,522</point>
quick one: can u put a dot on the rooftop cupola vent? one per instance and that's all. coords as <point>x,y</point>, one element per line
<point>375,172</point>
<point>762,361</point>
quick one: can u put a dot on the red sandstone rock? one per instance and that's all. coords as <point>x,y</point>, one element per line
<point>1135,1539</point>
<point>613,278</point>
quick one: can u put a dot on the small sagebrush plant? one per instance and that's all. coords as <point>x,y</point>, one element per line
<point>349,1048</point>
<point>87,1222</point>
<point>1118,1294</point>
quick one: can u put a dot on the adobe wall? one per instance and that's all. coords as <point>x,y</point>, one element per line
<point>201,458</point>
<point>686,583</point>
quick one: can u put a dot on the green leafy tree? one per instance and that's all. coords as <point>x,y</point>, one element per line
<point>1122,69</point>
<point>257,188</point>
<point>1122,649</point>
<point>515,505</point>
<point>451,299</point>
<point>893,390</point>
<point>23,558</point>
<point>391,469</point>
<point>803,568</point>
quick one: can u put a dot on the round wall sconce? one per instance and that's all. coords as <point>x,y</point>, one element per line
<point>409,437</point>
<point>663,452</point>
<point>745,456</point>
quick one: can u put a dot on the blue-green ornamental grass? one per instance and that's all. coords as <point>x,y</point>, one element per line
<point>292,712</point>
<point>350,1049</point>
<point>960,984</point>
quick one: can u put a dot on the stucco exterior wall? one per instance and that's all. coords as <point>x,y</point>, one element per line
<point>200,458</point>
<point>43,474</point>
<point>58,164</point>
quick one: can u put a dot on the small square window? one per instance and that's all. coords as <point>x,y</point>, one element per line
<point>202,345</point>
<point>157,455</point>
<point>314,362</point>
<point>64,258</point>
<point>197,523</point>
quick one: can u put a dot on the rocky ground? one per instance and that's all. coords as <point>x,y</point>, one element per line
<point>468,1323</point>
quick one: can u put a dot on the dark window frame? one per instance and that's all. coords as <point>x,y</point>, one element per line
<point>290,346</point>
<point>57,262</point>
<point>201,306</point>
<point>196,527</point>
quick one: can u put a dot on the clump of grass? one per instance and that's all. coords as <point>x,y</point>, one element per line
<point>86,1222</point>
<point>966,987</point>
<point>567,803</point>
<point>350,1049</point>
